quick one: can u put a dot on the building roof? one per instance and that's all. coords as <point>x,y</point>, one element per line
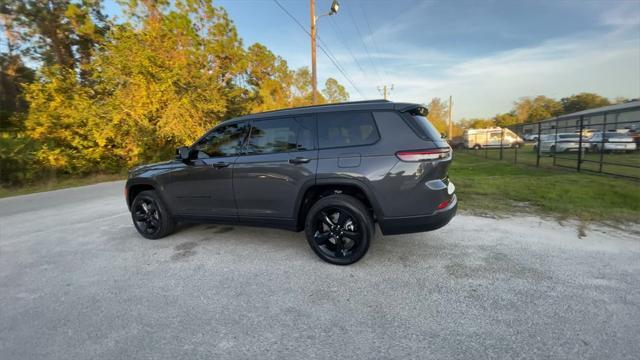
<point>626,106</point>
<point>346,106</point>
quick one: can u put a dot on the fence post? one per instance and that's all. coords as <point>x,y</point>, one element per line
<point>555,142</point>
<point>486,141</point>
<point>580,144</point>
<point>604,130</point>
<point>538,147</point>
<point>501,139</point>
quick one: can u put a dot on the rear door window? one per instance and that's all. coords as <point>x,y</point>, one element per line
<point>272,136</point>
<point>306,132</point>
<point>348,128</point>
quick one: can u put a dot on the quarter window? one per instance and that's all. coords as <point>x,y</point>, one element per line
<point>346,129</point>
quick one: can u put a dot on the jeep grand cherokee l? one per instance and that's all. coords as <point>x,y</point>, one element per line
<point>331,170</point>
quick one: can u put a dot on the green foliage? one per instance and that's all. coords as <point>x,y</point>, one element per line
<point>532,109</point>
<point>334,92</point>
<point>583,101</point>
<point>108,96</point>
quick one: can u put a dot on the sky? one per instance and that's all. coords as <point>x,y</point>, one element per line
<point>486,54</point>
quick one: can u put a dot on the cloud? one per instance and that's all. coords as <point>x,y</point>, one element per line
<point>606,62</point>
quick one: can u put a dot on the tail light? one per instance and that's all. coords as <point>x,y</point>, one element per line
<point>424,155</point>
<point>443,204</point>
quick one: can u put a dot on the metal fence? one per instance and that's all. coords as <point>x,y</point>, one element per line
<point>606,142</point>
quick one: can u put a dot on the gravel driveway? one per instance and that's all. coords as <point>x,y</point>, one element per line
<point>77,282</point>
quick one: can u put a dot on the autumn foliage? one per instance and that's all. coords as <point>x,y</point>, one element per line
<point>107,96</point>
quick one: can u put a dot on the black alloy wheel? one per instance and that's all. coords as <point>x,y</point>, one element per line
<point>339,229</point>
<point>150,217</point>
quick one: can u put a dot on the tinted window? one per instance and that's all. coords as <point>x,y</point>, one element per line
<point>426,127</point>
<point>346,129</point>
<point>222,141</point>
<point>306,132</point>
<point>270,136</point>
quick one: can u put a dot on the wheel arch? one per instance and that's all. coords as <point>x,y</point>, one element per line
<point>136,187</point>
<point>325,187</point>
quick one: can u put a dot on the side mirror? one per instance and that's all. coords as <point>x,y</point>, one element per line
<point>183,153</point>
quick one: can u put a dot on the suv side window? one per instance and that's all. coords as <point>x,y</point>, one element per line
<point>273,136</point>
<point>224,140</point>
<point>306,132</point>
<point>346,129</point>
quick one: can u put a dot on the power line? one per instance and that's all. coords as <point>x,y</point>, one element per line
<point>366,49</point>
<point>334,61</point>
<point>338,31</point>
<point>373,39</point>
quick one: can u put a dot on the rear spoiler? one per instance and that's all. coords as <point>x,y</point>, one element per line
<point>413,109</point>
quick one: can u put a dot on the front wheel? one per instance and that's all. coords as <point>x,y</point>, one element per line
<point>150,217</point>
<point>339,229</point>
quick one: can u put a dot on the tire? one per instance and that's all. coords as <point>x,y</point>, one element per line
<point>552,149</point>
<point>339,229</point>
<point>477,146</point>
<point>150,216</point>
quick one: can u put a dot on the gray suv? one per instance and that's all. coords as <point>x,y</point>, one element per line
<point>330,170</point>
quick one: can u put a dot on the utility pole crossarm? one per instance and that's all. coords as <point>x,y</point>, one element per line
<point>385,91</point>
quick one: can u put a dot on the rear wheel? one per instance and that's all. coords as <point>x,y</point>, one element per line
<point>339,229</point>
<point>150,217</point>
<point>477,146</point>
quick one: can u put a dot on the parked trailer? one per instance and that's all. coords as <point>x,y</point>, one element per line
<point>491,138</point>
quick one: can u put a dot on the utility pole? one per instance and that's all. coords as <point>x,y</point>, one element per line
<point>314,79</point>
<point>314,74</point>
<point>385,91</point>
<point>450,135</point>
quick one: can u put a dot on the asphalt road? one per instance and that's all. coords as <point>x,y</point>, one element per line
<point>77,282</point>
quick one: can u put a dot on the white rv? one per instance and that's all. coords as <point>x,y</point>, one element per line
<point>491,138</point>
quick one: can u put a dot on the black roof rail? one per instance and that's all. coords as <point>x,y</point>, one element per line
<point>329,104</point>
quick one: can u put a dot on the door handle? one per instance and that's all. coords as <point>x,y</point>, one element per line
<point>221,164</point>
<point>299,160</point>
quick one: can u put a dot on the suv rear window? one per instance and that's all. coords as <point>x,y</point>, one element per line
<point>426,127</point>
<point>346,129</point>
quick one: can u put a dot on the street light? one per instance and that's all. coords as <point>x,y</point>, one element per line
<point>335,6</point>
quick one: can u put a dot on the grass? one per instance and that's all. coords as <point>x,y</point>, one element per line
<point>59,183</point>
<point>526,155</point>
<point>493,186</point>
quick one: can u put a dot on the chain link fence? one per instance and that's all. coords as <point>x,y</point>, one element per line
<point>606,142</point>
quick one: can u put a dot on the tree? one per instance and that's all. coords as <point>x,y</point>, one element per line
<point>477,123</point>
<point>14,75</point>
<point>269,78</point>
<point>61,32</point>
<point>334,92</point>
<point>505,119</point>
<point>438,114</point>
<point>539,108</point>
<point>583,101</point>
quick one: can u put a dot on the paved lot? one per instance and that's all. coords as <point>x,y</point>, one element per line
<point>76,282</point>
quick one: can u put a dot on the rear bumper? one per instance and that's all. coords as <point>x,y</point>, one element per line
<point>420,223</point>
